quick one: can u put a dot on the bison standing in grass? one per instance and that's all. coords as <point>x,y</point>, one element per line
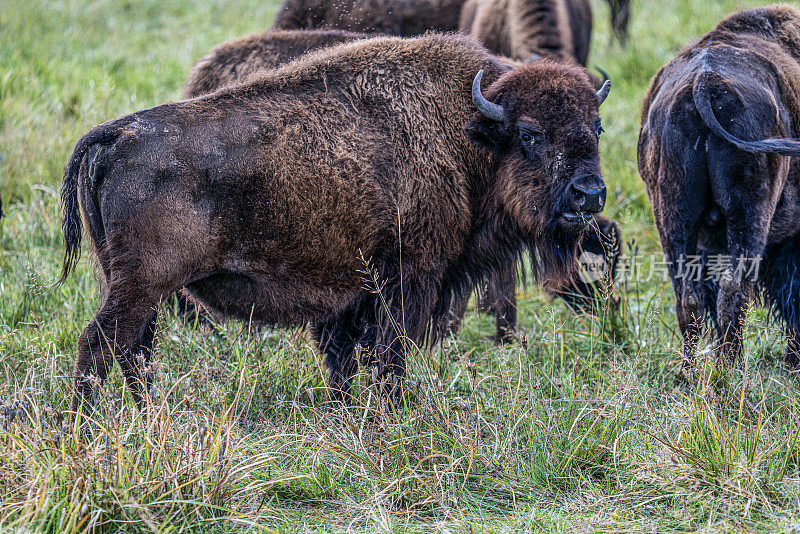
<point>276,200</point>
<point>715,150</point>
<point>234,61</point>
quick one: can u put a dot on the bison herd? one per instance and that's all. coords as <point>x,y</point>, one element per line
<point>355,170</point>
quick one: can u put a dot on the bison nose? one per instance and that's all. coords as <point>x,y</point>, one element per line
<point>588,193</point>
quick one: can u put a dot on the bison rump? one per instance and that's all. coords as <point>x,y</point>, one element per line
<point>716,125</point>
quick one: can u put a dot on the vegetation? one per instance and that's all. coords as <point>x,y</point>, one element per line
<point>577,428</point>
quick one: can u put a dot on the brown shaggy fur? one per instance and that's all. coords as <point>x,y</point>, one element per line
<point>394,17</point>
<point>717,126</point>
<point>278,199</point>
<point>522,29</point>
<point>233,61</point>
<point>236,60</point>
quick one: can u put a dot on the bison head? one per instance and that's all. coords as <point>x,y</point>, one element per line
<point>541,121</point>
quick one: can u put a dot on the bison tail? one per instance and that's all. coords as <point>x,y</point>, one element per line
<point>701,93</point>
<point>71,221</point>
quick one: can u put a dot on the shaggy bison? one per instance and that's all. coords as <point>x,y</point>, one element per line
<point>364,189</point>
<point>395,17</point>
<point>715,153</point>
<point>522,29</point>
<point>234,61</point>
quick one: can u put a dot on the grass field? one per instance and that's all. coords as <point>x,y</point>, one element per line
<point>578,429</point>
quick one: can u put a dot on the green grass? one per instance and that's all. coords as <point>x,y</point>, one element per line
<point>579,429</point>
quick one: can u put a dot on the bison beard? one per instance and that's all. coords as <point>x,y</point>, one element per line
<point>265,199</point>
<point>718,128</point>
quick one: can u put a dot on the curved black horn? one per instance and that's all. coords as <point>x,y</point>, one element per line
<point>488,109</point>
<point>603,74</point>
<point>603,92</point>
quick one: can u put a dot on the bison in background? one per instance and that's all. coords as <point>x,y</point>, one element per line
<point>270,199</point>
<point>233,61</point>
<point>525,29</point>
<point>719,129</point>
<point>405,18</point>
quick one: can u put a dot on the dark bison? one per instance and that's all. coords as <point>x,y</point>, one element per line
<point>715,153</point>
<point>522,29</point>
<point>234,61</point>
<point>358,189</point>
<point>395,17</point>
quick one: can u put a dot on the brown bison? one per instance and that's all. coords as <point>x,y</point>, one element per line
<point>718,131</point>
<point>522,29</point>
<point>358,189</point>
<point>395,17</point>
<point>234,61</point>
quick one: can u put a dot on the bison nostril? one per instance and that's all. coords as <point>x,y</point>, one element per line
<point>587,198</point>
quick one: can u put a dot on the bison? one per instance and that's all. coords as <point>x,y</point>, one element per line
<point>521,29</point>
<point>234,61</point>
<point>719,128</point>
<point>363,188</point>
<point>405,18</point>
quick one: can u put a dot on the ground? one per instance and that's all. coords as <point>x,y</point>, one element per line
<point>577,428</point>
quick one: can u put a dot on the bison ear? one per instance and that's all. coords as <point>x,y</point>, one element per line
<point>485,133</point>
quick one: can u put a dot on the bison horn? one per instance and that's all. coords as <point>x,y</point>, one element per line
<point>488,109</point>
<point>603,92</point>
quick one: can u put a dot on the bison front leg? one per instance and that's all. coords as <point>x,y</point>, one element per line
<point>338,338</point>
<point>501,298</point>
<point>403,320</point>
<point>123,329</point>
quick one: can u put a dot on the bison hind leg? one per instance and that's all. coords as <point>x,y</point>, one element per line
<point>124,330</point>
<point>781,283</point>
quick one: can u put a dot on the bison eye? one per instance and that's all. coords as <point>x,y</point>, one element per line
<point>526,138</point>
<point>598,129</point>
